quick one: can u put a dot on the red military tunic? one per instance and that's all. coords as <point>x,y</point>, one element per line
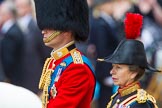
<point>74,87</point>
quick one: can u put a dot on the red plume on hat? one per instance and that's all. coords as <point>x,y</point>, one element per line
<point>133,24</point>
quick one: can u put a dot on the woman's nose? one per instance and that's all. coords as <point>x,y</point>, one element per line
<point>111,71</point>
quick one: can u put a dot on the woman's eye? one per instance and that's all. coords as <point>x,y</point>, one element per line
<point>118,67</point>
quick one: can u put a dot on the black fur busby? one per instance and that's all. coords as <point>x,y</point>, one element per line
<point>130,52</point>
<point>64,15</point>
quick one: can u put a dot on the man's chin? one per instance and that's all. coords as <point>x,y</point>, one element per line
<point>46,40</point>
<point>47,44</point>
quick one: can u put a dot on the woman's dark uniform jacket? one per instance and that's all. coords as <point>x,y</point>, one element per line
<point>132,96</point>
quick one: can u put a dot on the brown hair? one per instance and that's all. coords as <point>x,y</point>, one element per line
<point>140,71</point>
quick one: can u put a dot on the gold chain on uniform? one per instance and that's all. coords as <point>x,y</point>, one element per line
<point>45,82</point>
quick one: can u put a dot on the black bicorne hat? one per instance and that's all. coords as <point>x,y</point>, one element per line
<point>130,52</point>
<point>64,15</point>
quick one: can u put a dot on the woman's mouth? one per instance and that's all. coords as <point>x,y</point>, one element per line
<point>114,78</point>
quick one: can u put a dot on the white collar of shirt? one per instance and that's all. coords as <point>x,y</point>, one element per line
<point>7,25</point>
<point>25,20</point>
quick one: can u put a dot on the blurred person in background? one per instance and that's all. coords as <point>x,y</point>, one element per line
<point>151,37</point>
<point>152,30</point>
<point>104,30</point>
<point>34,51</point>
<point>91,54</point>
<point>17,97</point>
<point>156,8</point>
<point>91,49</point>
<point>12,43</point>
<point>2,74</point>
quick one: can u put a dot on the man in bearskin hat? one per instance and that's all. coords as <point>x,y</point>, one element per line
<point>67,78</point>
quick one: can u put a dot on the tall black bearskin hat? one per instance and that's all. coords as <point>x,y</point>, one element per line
<point>64,15</point>
<point>129,50</point>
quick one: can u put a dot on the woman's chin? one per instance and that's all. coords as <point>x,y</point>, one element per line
<point>116,83</point>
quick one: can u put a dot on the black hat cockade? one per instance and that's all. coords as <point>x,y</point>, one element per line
<point>131,51</point>
<point>64,15</point>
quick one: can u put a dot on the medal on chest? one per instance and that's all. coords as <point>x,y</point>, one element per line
<point>53,91</point>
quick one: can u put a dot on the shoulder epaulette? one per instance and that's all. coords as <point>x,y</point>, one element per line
<point>152,99</point>
<point>141,96</point>
<point>77,58</point>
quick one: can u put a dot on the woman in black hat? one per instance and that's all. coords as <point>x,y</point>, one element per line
<point>129,64</point>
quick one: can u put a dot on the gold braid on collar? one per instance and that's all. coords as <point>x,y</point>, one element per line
<point>129,89</point>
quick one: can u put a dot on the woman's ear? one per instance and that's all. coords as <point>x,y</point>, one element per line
<point>133,75</point>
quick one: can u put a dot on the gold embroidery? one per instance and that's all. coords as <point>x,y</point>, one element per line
<point>129,89</point>
<point>152,99</point>
<point>125,91</point>
<point>47,71</point>
<point>45,81</point>
<point>61,52</point>
<point>42,79</point>
<point>77,58</point>
<point>45,95</point>
<point>141,96</point>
